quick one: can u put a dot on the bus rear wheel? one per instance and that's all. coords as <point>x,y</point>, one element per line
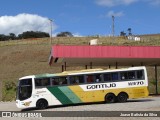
<point>110,98</point>
<point>42,104</point>
<point>122,97</point>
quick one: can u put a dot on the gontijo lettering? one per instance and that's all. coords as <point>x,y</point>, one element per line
<point>100,86</point>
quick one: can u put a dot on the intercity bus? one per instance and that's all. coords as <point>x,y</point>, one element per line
<point>83,86</point>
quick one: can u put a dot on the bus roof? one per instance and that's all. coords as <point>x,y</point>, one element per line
<point>44,75</point>
<point>107,70</point>
<point>75,72</point>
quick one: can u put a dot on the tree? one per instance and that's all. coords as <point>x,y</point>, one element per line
<point>4,37</point>
<point>33,34</point>
<point>129,31</point>
<point>12,36</point>
<point>122,33</point>
<point>65,34</point>
<point>24,35</point>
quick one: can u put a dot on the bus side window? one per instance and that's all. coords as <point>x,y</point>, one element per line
<point>42,82</point>
<point>107,77</point>
<point>90,78</point>
<point>62,81</point>
<point>140,74</point>
<point>37,82</point>
<point>131,75</point>
<point>115,76</point>
<point>76,79</point>
<point>98,78</point>
<point>124,75</point>
<point>59,81</point>
<point>54,81</point>
<point>81,79</point>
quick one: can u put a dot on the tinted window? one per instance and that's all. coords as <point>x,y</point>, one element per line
<point>59,81</point>
<point>76,79</point>
<point>124,75</point>
<point>131,75</point>
<point>42,82</point>
<point>140,74</point>
<point>24,89</point>
<point>111,76</point>
<point>98,78</point>
<point>128,75</point>
<point>114,76</point>
<point>90,78</point>
<point>25,82</point>
<point>107,77</point>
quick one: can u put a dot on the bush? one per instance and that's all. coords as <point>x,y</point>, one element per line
<point>9,91</point>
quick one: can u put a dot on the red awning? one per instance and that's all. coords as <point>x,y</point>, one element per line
<point>123,55</point>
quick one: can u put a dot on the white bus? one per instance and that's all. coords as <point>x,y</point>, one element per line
<point>83,86</point>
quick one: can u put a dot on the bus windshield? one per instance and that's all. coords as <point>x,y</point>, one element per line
<point>24,89</point>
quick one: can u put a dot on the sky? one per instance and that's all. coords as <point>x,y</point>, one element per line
<point>80,17</point>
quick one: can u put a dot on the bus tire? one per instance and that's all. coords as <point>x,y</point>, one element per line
<point>42,104</point>
<point>110,98</point>
<point>122,97</point>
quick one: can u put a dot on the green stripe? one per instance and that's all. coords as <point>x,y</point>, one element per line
<point>60,95</point>
<point>70,94</point>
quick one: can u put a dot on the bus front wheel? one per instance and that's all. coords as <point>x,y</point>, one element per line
<point>122,97</point>
<point>42,104</point>
<point>110,98</point>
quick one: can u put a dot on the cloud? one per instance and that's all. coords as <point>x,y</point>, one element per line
<point>24,22</point>
<point>77,35</point>
<point>115,14</point>
<point>112,3</point>
<point>154,2</point>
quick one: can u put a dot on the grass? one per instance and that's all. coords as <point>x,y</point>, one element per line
<point>153,41</point>
<point>27,57</point>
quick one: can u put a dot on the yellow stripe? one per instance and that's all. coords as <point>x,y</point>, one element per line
<point>99,95</point>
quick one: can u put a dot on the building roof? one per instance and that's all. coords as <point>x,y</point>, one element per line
<point>105,55</point>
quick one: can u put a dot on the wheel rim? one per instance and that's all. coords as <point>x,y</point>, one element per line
<point>42,104</point>
<point>122,97</point>
<point>110,98</point>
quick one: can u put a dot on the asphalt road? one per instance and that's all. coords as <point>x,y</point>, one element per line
<point>146,104</point>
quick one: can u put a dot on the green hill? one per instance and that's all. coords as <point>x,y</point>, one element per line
<point>19,58</point>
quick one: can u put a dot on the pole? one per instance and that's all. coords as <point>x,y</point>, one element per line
<point>156,78</point>
<point>65,66</point>
<point>113,25</point>
<point>116,65</point>
<point>50,31</point>
<point>90,65</point>
<point>62,68</point>
<point>1,90</point>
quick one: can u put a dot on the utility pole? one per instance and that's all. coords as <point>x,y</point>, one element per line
<point>1,90</point>
<point>50,31</point>
<point>113,25</point>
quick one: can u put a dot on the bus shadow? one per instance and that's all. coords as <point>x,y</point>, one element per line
<point>62,106</point>
<point>95,103</point>
<point>140,100</point>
